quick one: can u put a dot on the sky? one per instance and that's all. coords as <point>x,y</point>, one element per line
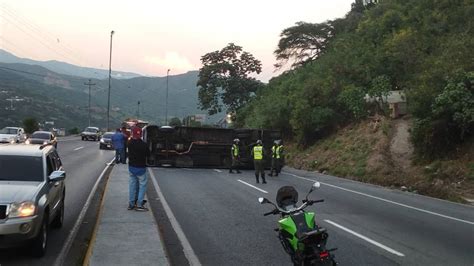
<point>152,36</point>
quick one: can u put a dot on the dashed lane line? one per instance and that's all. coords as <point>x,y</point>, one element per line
<point>252,186</point>
<point>79,148</point>
<point>371,241</point>
<point>386,200</point>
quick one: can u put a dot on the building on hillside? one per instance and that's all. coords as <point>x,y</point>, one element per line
<point>397,103</point>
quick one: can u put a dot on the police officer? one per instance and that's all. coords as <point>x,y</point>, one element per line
<point>275,158</point>
<point>235,153</point>
<point>257,153</point>
<point>280,156</point>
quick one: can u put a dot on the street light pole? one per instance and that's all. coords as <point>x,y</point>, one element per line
<point>138,110</point>
<point>89,84</point>
<point>166,115</point>
<point>110,76</point>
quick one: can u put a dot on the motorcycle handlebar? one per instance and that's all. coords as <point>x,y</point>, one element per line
<point>310,202</point>
<point>268,213</point>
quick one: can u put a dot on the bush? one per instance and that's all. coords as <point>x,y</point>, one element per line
<point>73,131</point>
<point>30,125</point>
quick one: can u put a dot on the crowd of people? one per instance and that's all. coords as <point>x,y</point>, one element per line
<point>258,156</point>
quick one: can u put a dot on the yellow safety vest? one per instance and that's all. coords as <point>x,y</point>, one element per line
<point>235,150</point>
<point>275,152</point>
<point>279,151</point>
<point>258,153</point>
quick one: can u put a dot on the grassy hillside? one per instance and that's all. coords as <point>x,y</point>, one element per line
<point>373,151</point>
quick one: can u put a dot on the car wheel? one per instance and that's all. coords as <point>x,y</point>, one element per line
<point>59,219</point>
<point>40,243</point>
<point>101,147</point>
<point>82,138</point>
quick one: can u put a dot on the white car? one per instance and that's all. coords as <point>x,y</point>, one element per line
<point>12,135</point>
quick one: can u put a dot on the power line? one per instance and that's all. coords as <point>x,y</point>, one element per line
<point>51,39</point>
<point>34,37</point>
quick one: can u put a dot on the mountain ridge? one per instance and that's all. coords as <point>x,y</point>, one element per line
<point>66,68</point>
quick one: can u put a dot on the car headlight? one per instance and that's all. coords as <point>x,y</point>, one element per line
<point>102,140</point>
<point>27,141</point>
<point>23,209</point>
<point>45,142</point>
<point>12,141</point>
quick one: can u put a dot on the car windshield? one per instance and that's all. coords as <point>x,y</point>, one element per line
<point>9,131</point>
<point>40,136</point>
<point>21,168</point>
<point>89,129</point>
<point>107,135</point>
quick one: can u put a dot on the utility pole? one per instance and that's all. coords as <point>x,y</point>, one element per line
<point>138,110</point>
<point>166,115</point>
<point>89,84</point>
<point>110,76</point>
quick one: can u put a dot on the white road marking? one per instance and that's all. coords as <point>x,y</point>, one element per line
<point>67,245</point>
<point>373,242</point>
<point>386,200</point>
<point>252,186</point>
<point>217,170</point>
<point>187,249</point>
<point>79,148</point>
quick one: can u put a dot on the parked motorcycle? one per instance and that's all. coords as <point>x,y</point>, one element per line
<point>299,234</point>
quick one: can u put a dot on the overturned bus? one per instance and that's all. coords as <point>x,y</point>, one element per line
<point>203,147</point>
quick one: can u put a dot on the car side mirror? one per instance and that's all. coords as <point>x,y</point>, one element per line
<point>57,176</point>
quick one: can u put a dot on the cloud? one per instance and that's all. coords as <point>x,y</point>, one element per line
<point>171,60</point>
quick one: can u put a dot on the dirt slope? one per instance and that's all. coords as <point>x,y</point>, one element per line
<point>379,151</point>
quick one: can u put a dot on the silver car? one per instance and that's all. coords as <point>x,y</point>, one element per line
<point>32,193</point>
<point>12,135</point>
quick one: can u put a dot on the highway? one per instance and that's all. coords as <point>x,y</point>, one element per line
<point>224,223</point>
<point>83,162</point>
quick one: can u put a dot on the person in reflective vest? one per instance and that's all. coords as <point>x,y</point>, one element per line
<point>257,154</point>
<point>280,157</point>
<point>275,158</point>
<point>235,154</point>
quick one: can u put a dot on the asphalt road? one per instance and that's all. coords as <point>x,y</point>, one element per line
<point>83,162</point>
<point>224,223</point>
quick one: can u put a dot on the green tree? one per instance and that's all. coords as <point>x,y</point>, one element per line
<point>175,122</point>
<point>73,131</point>
<point>224,79</point>
<point>456,103</point>
<point>303,43</point>
<point>30,125</point>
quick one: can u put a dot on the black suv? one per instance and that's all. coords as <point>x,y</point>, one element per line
<point>32,194</point>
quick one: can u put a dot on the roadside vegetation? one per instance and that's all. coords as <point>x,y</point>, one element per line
<point>421,47</point>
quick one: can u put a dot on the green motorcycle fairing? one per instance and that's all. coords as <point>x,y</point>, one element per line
<point>294,224</point>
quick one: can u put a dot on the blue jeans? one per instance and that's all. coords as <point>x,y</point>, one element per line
<point>137,185</point>
<point>120,155</point>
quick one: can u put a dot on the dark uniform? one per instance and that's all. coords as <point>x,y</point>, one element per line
<point>235,153</point>
<point>277,158</point>
<point>257,153</point>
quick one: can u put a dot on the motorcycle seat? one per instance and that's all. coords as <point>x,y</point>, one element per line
<point>302,236</point>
